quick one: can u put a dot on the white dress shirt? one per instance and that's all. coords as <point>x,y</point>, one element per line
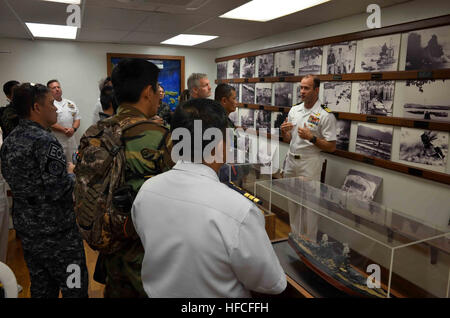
<point>321,123</point>
<point>201,238</point>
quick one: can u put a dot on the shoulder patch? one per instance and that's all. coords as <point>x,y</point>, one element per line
<point>56,152</point>
<point>325,107</point>
<point>55,167</point>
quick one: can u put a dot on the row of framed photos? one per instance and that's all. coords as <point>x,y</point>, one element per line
<point>415,50</point>
<point>414,99</point>
<point>425,149</point>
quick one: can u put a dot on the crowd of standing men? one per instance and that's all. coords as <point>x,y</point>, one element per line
<point>196,237</point>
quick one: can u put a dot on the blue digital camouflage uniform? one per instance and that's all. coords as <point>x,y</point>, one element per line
<point>34,165</point>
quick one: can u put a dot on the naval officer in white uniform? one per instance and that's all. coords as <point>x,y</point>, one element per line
<point>309,128</point>
<point>68,120</point>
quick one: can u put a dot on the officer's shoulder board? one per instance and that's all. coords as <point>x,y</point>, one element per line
<point>325,108</point>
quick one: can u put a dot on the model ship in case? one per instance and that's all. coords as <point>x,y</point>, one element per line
<point>332,264</point>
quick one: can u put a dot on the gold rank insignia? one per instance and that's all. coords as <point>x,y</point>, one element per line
<point>71,105</point>
<point>325,107</point>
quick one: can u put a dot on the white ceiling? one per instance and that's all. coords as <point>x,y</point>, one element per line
<point>150,22</point>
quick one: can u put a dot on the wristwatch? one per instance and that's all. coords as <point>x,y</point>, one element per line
<point>313,140</point>
<point>74,129</point>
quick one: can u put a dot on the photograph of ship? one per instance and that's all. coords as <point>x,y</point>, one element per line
<point>222,70</point>
<point>262,119</point>
<point>378,54</point>
<point>361,184</point>
<point>265,65</point>
<point>342,134</point>
<point>233,68</point>
<point>247,117</point>
<point>428,49</point>
<point>283,94</point>
<point>248,93</point>
<point>310,60</point>
<point>263,93</point>
<point>277,119</point>
<point>374,140</point>
<point>376,97</point>
<point>423,146</point>
<point>424,99</point>
<point>337,96</point>
<point>285,63</point>
<point>248,67</point>
<point>341,58</point>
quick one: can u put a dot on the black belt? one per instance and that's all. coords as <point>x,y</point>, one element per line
<point>297,156</point>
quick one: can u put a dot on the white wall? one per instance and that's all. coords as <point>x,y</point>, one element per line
<point>79,66</point>
<point>417,197</point>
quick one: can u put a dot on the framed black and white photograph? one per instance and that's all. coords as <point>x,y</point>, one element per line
<point>424,99</point>
<point>378,54</point>
<point>343,134</point>
<point>340,58</point>
<point>222,70</point>
<point>262,119</point>
<point>263,93</point>
<point>361,184</point>
<point>236,87</point>
<point>426,147</point>
<point>277,118</point>
<point>265,65</point>
<point>283,94</point>
<point>428,49</point>
<point>310,60</point>
<point>285,63</point>
<point>374,140</point>
<point>297,97</point>
<point>337,96</point>
<point>376,97</point>
<point>247,117</point>
<point>233,68</point>
<point>248,93</point>
<point>248,67</point>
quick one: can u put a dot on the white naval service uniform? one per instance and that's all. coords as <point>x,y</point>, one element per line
<point>202,239</point>
<point>97,109</point>
<point>67,113</point>
<point>304,159</point>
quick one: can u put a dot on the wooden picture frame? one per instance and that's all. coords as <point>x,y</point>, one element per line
<point>173,89</point>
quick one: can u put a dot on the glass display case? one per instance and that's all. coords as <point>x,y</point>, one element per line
<point>361,247</point>
<point>242,177</point>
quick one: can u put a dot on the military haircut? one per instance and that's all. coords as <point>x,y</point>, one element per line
<point>211,114</point>
<point>316,80</point>
<point>131,76</point>
<point>26,95</point>
<point>53,81</point>
<point>107,97</point>
<point>8,87</point>
<point>223,90</point>
<point>194,80</point>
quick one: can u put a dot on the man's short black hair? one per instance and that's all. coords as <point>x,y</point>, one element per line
<point>52,81</point>
<point>107,97</point>
<point>26,95</point>
<point>211,114</point>
<point>223,90</point>
<point>8,87</point>
<point>131,76</point>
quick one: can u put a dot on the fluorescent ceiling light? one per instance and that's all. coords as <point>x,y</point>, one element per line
<point>41,30</point>
<point>266,10</point>
<point>65,1</point>
<point>189,39</point>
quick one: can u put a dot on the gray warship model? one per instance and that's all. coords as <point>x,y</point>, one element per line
<point>331,262</point>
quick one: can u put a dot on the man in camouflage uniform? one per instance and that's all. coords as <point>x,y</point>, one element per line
<point>34,165</point>
<point>147,152</point>
<point>8,114</point>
